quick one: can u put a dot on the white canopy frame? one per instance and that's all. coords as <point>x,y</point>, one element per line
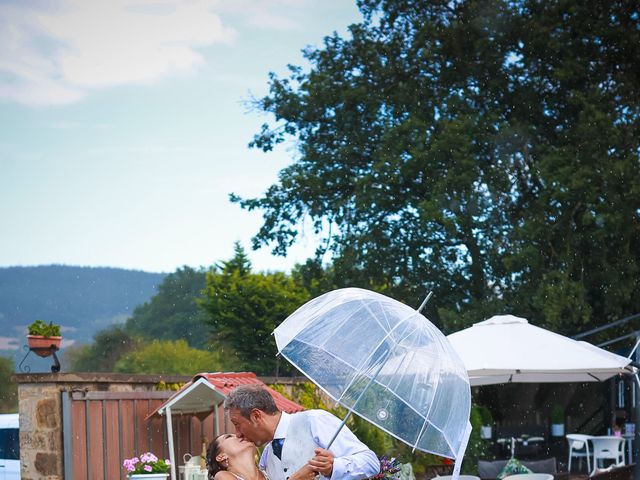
<point>199,397</point>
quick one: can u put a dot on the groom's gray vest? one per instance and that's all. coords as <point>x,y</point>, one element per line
<point>297,450</point>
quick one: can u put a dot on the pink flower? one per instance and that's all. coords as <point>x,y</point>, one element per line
<point>148,458</point>
<point>130,464</point>
<point>147,463</point>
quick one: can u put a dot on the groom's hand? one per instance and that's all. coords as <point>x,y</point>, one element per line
<point>322,462</point>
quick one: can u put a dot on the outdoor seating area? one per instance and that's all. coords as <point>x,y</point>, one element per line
<point>581,457</point>
<point>514,351</point>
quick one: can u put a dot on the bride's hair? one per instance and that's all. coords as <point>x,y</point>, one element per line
<point>213,466</point>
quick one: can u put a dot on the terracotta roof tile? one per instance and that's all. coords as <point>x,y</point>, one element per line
<point>224,382</point>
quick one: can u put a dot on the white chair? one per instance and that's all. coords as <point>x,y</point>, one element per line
<point>530,476</point>
<point>579,448</point>
<point>607,448</point>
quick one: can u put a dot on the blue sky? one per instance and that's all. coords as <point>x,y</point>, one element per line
<point>125,127</point>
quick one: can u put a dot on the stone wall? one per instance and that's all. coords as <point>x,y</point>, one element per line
<point>40,409</point>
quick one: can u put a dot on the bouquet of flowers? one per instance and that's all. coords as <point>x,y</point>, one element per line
<point>389,468</point>
<point>147,463</point>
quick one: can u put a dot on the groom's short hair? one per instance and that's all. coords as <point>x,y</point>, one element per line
<point>247,397</point>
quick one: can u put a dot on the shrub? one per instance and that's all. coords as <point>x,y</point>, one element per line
<point>557,414</point>
<point>485,415</point>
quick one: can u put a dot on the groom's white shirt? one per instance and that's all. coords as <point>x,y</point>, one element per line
<point>305,431</point>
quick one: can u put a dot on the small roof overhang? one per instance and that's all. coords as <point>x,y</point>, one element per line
<point>197,398</point>
<point>206,391</point>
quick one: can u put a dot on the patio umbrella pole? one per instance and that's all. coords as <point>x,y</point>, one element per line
<point>358,399</point>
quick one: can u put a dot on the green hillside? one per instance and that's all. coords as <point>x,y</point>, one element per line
<point>83,300</point>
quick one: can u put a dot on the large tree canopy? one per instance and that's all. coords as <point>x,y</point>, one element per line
<point>486,149</point>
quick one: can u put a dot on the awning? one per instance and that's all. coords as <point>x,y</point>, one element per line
<point>507,349</point>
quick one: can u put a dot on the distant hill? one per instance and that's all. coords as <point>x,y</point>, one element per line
<point>83,300</point>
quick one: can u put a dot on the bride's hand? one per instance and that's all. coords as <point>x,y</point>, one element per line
<point>305,473</point>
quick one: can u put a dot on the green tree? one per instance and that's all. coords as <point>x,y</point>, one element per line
<point>173,313</point>
<point>484,149</point>
<point>393,154</point>
<point>243,309</point>
<point>316,278</point>
<point>101,355</point>
<point>168,357</point>
<point>575,248</point>
<point>8,387</point>
<point>239,262</point>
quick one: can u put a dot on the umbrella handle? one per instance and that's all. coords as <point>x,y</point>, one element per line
<point>335,435</point>
<point>424,302</point>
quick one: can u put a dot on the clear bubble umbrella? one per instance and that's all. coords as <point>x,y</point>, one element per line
<point>385,362</point>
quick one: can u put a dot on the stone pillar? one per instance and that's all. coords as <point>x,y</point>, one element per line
<point>40,431</point>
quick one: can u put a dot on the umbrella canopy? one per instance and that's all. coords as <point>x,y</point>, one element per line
<point>506,349</point>
<point>384,361</point>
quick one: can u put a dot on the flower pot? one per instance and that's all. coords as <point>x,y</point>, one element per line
<point>41,346</point>
<point>485,432</point>
<point>148,476</point>
<point>557,429</point>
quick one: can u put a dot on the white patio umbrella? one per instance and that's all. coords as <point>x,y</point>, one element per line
<point>506,349</point>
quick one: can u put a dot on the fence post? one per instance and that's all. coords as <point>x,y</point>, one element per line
<point>67,429</point>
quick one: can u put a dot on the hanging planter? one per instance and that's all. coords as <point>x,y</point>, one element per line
<point>43,346</point>
<point>44,339</point>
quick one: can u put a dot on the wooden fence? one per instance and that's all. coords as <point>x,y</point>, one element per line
<point>101,429</point>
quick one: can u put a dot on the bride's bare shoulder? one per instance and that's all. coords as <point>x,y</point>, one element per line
<point>224,475</point>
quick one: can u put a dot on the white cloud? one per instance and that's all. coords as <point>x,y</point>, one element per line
<point>283,15</point>
<point>56,55</point>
